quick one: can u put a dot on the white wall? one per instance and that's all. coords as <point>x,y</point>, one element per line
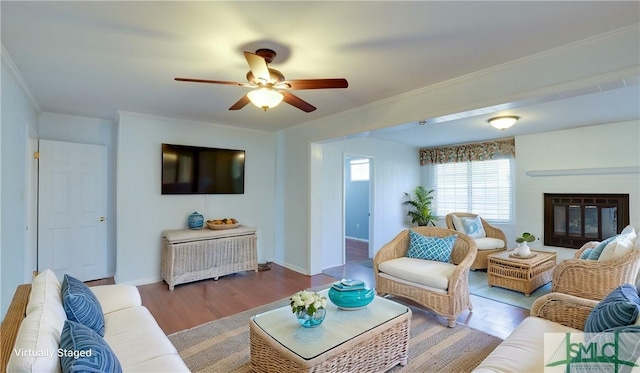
<point>394,171</point>
<point>143,213</point>
<point>19,118</point>
<point>600,146</point>
<point>94,131</point>
<point>300,206</point>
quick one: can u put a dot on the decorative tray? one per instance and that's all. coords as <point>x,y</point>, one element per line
<point>532,255</point>
<point>221,224</point>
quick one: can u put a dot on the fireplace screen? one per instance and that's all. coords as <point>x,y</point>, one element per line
<point>571,220</point>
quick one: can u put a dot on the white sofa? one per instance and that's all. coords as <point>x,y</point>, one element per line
<point>524,349</point>
<point>36,317</point>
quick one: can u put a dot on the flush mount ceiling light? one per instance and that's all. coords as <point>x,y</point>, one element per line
<point>504,122</point>
<point>265,98</point>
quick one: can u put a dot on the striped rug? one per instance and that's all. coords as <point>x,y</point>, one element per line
<point>223,345</point>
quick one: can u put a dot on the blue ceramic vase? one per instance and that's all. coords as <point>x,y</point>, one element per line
<point>195,221</point>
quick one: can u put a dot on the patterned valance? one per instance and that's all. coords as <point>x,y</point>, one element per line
<point>479,151</point>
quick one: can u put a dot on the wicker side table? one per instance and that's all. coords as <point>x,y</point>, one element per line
<point>524,275</point>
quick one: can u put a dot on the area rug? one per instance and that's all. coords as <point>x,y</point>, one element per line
<point>478,286</point>
<point>223,345</point>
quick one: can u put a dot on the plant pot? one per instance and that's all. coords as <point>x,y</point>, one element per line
<point>311,321</point>
<point>523,249</point>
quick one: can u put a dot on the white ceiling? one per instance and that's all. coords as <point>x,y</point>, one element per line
<point>95,58</point>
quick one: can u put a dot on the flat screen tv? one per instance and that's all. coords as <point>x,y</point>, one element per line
<point>200,170</point>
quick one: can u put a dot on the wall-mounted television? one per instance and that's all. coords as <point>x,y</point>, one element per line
<point>201,170</point>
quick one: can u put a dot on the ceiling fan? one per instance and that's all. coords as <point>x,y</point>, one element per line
<point>270,86</point>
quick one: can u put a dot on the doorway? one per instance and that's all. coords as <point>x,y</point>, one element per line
<point>357,208</point>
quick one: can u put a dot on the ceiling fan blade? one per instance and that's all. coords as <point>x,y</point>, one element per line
<point>317,83</point>
<point>241,103</point>
<point>258,66</point>
<point>296,101</point>
<point>211,81</point>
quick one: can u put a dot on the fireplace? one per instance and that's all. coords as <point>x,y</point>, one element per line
<point>571,220</point>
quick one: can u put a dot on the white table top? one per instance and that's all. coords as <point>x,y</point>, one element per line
<point>338,327</point>
<point>188,235</point>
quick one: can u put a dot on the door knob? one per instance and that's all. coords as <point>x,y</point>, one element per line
<point>102,218</point>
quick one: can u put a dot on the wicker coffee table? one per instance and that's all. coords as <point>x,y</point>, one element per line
<point>524,275</point>
<point>372,339</point>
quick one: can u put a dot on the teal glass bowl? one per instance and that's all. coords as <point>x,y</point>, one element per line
<point>352,299</point>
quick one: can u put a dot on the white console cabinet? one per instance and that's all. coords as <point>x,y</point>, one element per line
<point>193,255</point>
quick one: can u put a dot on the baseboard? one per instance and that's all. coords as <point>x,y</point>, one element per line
<point>357,239</point>
<point>292,267</point>
<point>143,281</point>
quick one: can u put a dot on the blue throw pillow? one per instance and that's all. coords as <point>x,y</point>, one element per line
<point>624,340</point>
<point>597,250</point>
<point>81,305</point>
<point>618,308</point>
<point>585,254</point>
<point>473,227</point>
<point>430,248</point>
<point>83,350</point>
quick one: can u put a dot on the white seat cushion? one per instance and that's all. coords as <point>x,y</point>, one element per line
<point>488,243</point>
<point>621,246</point>
<point>135,337</point>
<point>38,338</point>
<point>116,297</point>
<point>457,223</point>
<point>425,272</point>
<point>171,363</point>
<point>37,343</point>
<point>523,350</point>
<point>46,292</point>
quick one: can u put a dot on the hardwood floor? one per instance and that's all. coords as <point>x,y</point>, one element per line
<point>189,305</point>
<point>355,250</point>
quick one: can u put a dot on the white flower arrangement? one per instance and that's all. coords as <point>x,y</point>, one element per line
<point>307,300</point>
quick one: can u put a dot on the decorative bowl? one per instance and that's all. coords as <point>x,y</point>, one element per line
<point>220,224</point>
<point>351,299</point>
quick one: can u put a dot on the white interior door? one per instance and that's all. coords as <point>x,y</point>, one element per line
<point>72,209</point>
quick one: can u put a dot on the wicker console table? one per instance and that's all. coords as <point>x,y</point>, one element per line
<point>524,275</point>
<point>193,255</point>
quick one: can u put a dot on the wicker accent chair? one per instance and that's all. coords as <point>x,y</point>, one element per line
<point>448,303</point>
<point>481,261</point>
<point>594,279</point>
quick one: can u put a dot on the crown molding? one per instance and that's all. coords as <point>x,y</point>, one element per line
<point>11,67</point>
<point>585,171</point>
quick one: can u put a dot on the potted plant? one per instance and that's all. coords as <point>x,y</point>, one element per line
<point>523,247</point>
<point>420,206</point>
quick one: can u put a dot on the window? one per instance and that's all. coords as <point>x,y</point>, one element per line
<point>359,169</point>
<point>479,187</point>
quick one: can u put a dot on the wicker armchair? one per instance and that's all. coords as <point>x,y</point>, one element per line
<point>594,279</point>
<point>449,303</point>
<point>481,261</point>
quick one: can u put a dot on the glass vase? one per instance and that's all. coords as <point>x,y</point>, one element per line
<point>311,321</point>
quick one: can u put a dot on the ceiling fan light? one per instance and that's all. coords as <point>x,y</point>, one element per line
<point>265,98</point>
<point>503,122</point>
